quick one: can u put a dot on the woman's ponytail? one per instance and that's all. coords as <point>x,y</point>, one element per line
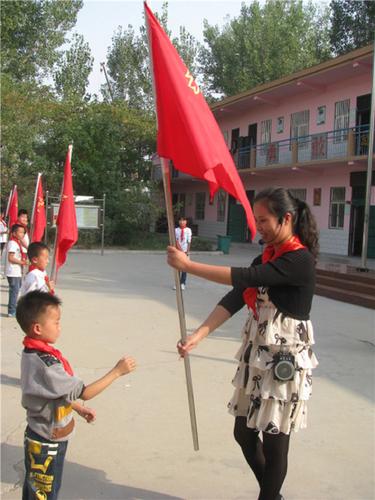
<point>305,227</point>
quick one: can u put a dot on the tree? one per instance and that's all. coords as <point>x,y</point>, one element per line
<point>352,24</point>
<point>73,71</point>
<point>31,33</point>
<point>128,62</point>
<point>263,43</point>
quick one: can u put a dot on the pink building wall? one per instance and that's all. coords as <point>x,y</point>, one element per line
<point>348,83</point>
<point>311,99</point>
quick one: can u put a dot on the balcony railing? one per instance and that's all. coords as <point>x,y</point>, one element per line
<point>331,145</point>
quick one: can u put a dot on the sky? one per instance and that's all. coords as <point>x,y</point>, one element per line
<point>99,19</point>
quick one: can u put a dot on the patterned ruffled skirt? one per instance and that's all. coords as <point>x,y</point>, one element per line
<point>271,405</point>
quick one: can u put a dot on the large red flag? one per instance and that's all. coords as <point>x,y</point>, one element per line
<point>13,208</point>
<point>38,222</point>
<point>188,133</point>
<point>66,223</point>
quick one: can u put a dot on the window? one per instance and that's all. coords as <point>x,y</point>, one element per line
<point>200,202</point>
<point>299,127</point>
<point>221,199</point>
<point>337,208</point>
<point>341,120</point>
<point>321,115</point>
<point>265,131</point>
<point>298,193</point>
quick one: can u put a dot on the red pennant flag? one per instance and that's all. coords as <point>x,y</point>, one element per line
<point>66,223</point>
<point>188,133</point>
<point>13,208</point>
<point>38,222</point>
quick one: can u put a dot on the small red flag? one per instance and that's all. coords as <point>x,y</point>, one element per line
<point>188,133</point>
<point>38,223</point>
<point>13,208</point>
<point>66,222</point>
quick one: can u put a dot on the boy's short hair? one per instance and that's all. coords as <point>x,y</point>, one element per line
<point>35,248</point>
<point>14,228</point>
<point>22,211</point>
<point>32,305</point>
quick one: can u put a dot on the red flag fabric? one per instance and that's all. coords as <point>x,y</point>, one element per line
<point>66,222</point>
<point>13,208</point>
<point>38,223</point>
<point>188,133</point>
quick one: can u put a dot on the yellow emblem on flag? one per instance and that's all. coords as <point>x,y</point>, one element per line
<point>191,83</point>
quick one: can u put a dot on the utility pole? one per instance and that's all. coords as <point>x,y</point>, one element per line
<point>369,170</point>
<point>106,77</point>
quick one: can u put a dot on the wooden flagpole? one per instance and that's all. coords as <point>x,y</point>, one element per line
<point>34,206</point>
<point>172,241</point>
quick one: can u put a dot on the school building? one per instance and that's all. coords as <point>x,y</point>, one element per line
<point>308,132</point>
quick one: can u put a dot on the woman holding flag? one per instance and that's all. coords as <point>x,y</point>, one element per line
<point>273,379</point>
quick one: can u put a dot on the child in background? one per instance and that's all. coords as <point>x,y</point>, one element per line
<point>49,394</point>
<point>3,232</point>
<point>37,278</point>
<point>183,242</point>
<point>22,220</point>
<point>16,259</point>
<point>3,240</point>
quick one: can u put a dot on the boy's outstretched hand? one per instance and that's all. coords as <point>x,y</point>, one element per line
<point>125,365</point>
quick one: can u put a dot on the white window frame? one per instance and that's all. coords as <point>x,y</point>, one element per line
<point>200,205</point>
<point>300,126</point>
<point>299,193</point>
<point>336,218</point>
<point>341,120</point>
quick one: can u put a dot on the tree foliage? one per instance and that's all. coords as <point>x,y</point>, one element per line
<point>128,62</point>
<point>72,74</point>
<point>352,24</point>
<point>31,34</point>
<point>265,42</point>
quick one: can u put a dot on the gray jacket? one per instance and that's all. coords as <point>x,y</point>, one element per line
<point>47,394</point>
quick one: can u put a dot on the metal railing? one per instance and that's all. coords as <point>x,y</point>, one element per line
<point>330,145</point>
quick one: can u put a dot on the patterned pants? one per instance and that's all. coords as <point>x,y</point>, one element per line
<point>44,462</point>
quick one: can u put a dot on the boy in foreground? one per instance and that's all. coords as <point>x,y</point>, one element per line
<point>49,394</point>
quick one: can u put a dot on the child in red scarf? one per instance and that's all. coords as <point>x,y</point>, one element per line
<point>16,259</point>
<point>37,278</point>
<point>49,393</point>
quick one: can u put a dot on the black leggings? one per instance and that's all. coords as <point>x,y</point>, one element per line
<point>268,459</point>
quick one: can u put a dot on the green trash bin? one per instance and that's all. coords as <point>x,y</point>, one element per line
<point>223,243</point>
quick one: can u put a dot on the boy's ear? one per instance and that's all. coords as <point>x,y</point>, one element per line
<point>34,259</point>
<point>36,330</point>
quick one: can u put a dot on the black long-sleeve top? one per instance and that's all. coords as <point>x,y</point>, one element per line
<point>290,280</point>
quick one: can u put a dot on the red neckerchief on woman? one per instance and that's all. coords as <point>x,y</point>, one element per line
<point>23,254</point>
<point>42,346</point>
<point>269,254</point>
<point>46,278</point>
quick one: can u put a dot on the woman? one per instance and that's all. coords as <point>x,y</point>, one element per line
<point>273,379</point>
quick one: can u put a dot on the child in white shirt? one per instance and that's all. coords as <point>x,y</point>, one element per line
<point>16,259</point>
<point>183,242</point>
<point>37,278</point>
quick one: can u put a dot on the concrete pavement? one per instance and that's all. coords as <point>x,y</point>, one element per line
<point>140,446</point>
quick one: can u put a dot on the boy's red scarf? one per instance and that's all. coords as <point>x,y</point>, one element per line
<point>46,278</point>
<point>269,254</point>
<point>42,346</point>
<point>23,254</point>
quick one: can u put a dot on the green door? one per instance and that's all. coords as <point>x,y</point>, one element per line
<point>237,227</point>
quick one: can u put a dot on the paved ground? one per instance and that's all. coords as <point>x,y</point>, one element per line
<point>140,447</point>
